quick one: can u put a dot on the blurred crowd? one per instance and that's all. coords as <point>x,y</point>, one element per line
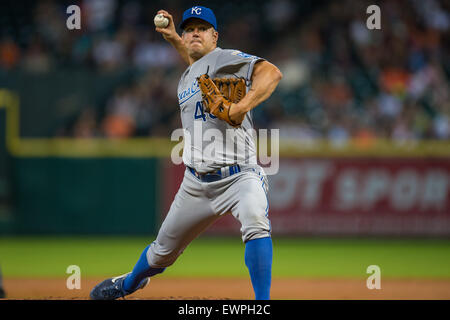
<point>341,80</point>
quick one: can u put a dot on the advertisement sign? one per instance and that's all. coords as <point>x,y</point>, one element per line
<point>352,196</point>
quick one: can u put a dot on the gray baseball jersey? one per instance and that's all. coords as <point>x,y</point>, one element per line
<point>243,193</point>
<point>230,145</point>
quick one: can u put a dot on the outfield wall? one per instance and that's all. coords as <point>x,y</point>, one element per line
<point>85,196</point>
<point>308,196</point>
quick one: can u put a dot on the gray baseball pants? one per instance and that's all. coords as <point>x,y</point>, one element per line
<point>198,204</point>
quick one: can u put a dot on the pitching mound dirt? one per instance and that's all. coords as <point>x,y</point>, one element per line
<point>204,289</point>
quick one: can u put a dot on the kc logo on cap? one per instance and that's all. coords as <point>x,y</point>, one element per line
<point>196,10</point>
<point>199,12</point>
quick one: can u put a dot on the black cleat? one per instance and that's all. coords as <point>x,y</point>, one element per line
<point>112,288</point>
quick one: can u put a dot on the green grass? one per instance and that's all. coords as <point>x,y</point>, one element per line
<point>224,257</point>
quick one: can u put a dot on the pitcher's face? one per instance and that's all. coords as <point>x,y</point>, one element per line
<point>199,37</point>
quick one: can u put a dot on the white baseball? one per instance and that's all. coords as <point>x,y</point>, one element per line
<point>161,21</point>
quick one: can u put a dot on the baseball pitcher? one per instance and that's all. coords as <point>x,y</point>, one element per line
<point>216,94</point>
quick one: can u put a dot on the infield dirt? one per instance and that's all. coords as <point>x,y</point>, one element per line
<point>238,288</point>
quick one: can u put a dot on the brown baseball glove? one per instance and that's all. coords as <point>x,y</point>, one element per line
<point>218,94</point>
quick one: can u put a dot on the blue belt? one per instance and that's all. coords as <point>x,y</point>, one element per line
<point>216,175</point>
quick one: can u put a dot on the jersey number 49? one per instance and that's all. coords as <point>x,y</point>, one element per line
<point>199,112</point>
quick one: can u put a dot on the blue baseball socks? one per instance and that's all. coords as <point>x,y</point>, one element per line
<point>140,271</point>
<point>258,259</point>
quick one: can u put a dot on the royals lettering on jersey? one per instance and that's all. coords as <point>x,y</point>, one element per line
<point>186,94</point>
<point>199,124</point>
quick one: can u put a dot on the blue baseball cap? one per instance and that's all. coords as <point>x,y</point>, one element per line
<point>199,12</point>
